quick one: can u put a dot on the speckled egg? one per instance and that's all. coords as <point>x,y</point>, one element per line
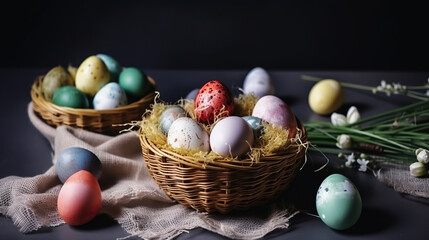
<point>92,75</point>
<point>70,96</point>
<point>79,199</point>
<point>275,111</point>
<point>338,202</point>
<point>187,133</point>
<point>112,65</point>
<point>75,159</point>
<point>110,96</point>
<point>214,100</point>
<point>231,136</point>
<point>256,124</point>
<point>168,116</point>
<point>54,79</point>
<point>135,83</point>
<point>258,82</point>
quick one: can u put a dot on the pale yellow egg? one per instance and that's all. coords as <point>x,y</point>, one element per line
<point>91,75</point>
<point>326,96</point>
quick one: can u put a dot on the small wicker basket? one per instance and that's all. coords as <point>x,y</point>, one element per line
<point>224,185</point>
<point>101,121</point>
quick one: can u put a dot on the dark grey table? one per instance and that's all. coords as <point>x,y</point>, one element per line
<point>386,214</point>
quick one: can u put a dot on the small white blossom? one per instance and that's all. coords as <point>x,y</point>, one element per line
<point>344,141</point>
<point>350,160</point>
<point>353,115</point>
<point>418,169</point>
<point>338,119</point>
<point>383,83</point>
<point>422,155</point>
<point>362,164</point>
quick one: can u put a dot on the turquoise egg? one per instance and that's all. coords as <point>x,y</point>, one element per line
<point>338,202</point>
<point>256,124</point>
<point>70,96</point>
<point>135,83</point>
<point>168,116</point>
<point>112,65</point>
<point>74,159</point>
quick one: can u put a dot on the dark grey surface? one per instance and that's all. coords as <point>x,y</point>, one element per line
<point>386,214</point>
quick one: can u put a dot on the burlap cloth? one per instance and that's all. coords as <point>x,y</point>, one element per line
<point>129,194</point>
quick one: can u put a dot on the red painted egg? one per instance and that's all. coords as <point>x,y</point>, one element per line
<point>80,198</point>
<point>213,99</point>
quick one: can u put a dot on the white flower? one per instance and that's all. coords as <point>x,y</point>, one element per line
<point>350,160</point>
<point>383,83</point>
<point>338,119</point>
<point>353,115</point>
<point>344,141</point>
<point>422,155</point>
<point>418,169</point>
<point>362,164</point>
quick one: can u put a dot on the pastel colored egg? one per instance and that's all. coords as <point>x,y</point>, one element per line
<point>326,96</point>
<point>135,83</point>
<point>112,65</point>
<point>110,96</point>
<point>275,111</point>
<point>79,200</point>
<point>74,159</point>
<point>92,75</point>
<point>231,136</point>
<point>258,82</point>
<point>256,124</point>
<point>169,115</point>
<point>192,94</point>
<point>338,202</point>
<point>70,96</point>
<point>186,133</point>
<point>54,79</point>
<point>214,100</point>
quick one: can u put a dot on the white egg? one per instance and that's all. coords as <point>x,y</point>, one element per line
<point>258,82</point>
<point>110,96</point>
<point>186,133</point>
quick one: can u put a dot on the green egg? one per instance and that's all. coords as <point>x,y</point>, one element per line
<point>135,83</point>
<point>256,124</point>
<point>70,96</point>
<point>338,202</point>
<point>112,65</point>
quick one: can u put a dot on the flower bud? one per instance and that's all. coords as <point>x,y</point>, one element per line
<point>422,155</point>
<point>338,119</point>
<point>418,169</point>
<point>353,115</point>
<point>344,141</point>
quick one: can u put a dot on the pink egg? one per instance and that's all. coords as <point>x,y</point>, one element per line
<point>79,199</point>
<point>275,111</point>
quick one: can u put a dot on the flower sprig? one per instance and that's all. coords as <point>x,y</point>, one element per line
<point>416,92</point>
<point>390,136</point>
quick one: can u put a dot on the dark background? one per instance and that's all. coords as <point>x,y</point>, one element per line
<point>323,35</point>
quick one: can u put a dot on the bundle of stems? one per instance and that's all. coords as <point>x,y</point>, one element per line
<point>391,136</point>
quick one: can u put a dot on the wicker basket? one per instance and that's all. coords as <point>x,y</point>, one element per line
<point>223,185</point>
<point>100,121</point>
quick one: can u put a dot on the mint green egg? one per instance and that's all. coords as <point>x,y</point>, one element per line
<point>112,65</point>
<point>338,202</point>
<point>70,96</point>
<point>134,82</point>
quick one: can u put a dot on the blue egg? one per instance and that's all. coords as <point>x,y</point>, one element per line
<point>256,124</point>
<point>169,115</point>
<point>112,65</point>
<point>75,159</point>
<point>192,94</point>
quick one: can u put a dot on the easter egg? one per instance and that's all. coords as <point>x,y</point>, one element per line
<point>338,202</point>
<point>186,133</point>
<point>256,124</point>
<point>70,96</point>
<point>75,159</point>
<point>231,136</point>
<point>192,94</point>
<point>109,96</point>
<point>112,65</point>
<point>79,199</point>
<point>134,82</point>
<point>275,111</point>
<point>214,100</point>
<point>258,82</point>
<point>91,75</point>
<point>168,116</point>
<point>54,79</point>
<point>326,96</point>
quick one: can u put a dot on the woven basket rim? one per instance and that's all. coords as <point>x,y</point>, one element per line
<point>38,98</point>
<point>228,163</point>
